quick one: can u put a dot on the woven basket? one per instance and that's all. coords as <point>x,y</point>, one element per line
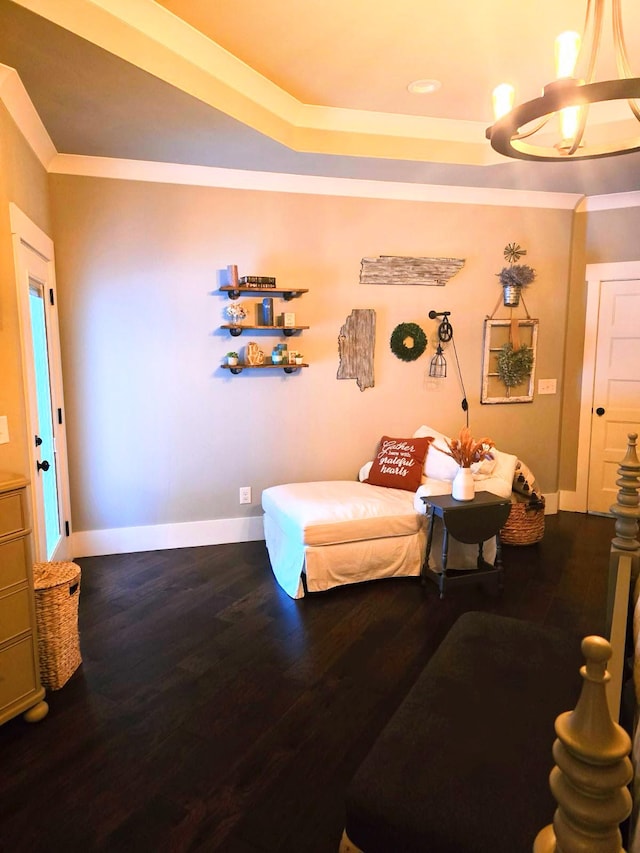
<point>525,524</point>
<point>57,593</point>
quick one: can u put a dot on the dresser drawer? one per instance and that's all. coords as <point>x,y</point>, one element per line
<point>15,614</point>
<point>14,556</point>
<point>13,515</point>
<point>18,677</point>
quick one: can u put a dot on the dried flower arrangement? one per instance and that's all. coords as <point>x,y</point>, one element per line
<point>236,313</point>
<point>516,275</point>
<point>466,450</point>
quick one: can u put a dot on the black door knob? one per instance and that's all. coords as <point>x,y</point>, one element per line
<point>599,411</point>
<point>38,440</point>
<point>44,466</point>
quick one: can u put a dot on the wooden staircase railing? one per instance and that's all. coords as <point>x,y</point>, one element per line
<point>592,772</point>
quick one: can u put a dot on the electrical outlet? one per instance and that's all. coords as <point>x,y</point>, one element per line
<point>546,386</point>
<point>245,494</point>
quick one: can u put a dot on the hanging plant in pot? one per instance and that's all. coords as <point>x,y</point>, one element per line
<point>466,451</point>
<point>515,277</point>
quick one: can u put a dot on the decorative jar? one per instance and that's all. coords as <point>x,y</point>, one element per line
<point>511,295</point>
<point>463,487</point>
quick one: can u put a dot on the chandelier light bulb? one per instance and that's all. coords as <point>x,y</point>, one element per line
<point>569,119</point>
<point>567,51</point>
<point>503,99</point>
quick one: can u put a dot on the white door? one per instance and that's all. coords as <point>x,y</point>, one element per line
<point>35,279</point>
<point>616,390</point>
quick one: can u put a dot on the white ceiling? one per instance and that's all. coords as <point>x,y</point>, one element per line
<point>360,55</point>
<point>302,86</point>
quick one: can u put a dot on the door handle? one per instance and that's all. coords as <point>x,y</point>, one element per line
<point>38,440</point>
<point>44,466</point>
<point>600,411</point>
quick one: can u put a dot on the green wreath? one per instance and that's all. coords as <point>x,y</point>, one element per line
<point>400,335</point>
<point>514,366</point>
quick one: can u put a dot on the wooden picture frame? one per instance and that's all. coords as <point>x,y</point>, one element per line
<point>496,334</point>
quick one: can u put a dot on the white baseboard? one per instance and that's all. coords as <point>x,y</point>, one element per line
<point>551,503</point>
<point>189,534</point>
<point>572,501</point>
<point>127,540</point>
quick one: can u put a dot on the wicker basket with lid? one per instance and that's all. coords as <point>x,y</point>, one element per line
<point>57,593</point>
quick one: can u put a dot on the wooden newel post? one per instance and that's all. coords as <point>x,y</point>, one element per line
<point>592,768</point>
<point>627,507</point>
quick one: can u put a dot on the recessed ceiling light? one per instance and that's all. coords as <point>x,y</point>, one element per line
<point>424,87</point>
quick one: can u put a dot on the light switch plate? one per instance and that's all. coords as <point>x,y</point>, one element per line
<point>547,386</point>
<point>4,430</point>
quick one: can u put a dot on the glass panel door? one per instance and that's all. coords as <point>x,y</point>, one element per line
<point>44,438</point>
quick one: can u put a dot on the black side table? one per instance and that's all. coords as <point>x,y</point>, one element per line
<point>470,522</point>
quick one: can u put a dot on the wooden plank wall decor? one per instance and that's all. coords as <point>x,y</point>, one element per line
<point>392,269</point>
<point>356,344</point>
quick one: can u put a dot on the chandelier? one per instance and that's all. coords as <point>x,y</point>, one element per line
<point>569,98</point>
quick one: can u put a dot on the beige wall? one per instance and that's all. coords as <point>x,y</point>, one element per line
<point>612,236</point>
<point>158,433</point>
<point>24,182</point>
<point>574,335</point>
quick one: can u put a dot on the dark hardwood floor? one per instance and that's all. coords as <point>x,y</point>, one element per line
<point>213,713</point>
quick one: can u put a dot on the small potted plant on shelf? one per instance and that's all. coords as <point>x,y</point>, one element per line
<point>515,277</point>
<point>232,358</point>
<point>299,358</point>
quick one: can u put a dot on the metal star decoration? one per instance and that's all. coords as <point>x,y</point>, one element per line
<point>513,252</point>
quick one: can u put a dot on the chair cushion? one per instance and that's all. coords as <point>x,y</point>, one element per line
<point>329,512</point>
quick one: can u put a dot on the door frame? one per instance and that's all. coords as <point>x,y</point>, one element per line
<point>597,276</point>
<point>26,234</point>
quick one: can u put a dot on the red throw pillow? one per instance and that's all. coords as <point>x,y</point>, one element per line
<point>398,463</point>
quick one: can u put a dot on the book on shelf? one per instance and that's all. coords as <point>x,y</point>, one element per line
<point>258,280</point>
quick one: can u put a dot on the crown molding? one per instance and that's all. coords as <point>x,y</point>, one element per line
<point>240,179</point>
<point>20,107</point>
<point>16,99</point>
<point>613,201</point>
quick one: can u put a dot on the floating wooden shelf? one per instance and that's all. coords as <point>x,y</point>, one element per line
<point>236,329</point>
<point>287,293</point>
<point>238,368</point>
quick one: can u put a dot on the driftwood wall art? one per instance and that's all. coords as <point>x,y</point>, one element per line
<point>392,269</point>
<point>356,343</point>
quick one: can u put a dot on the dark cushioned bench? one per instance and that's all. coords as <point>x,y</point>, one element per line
<point>463,765</point>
